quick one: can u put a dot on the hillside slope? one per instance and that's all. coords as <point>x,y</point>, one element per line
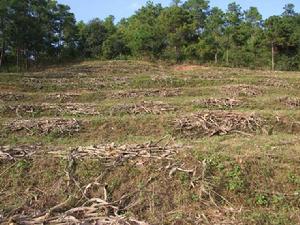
<point>121,142</point>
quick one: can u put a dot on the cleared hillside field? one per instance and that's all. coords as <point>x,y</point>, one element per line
<point>124,142</point>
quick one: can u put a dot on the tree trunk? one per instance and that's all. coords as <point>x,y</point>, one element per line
<point>18,59</point>
<point>2,54</point>
<point>227,56</point>
<point>27,60</point>
<point>177,53</point>
<point>273,56</point>
<point>3,44</point>
<point>216,58</point>
<point>227,49</point>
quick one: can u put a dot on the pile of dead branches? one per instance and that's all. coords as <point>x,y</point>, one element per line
<point>62,97</point>
<point>120,80</point>
<point>217,123</point>
<point>290,102</point>
<point>112,154</point>
<point>38,84</point>
<point>11,97</point>
<point>92,212</point>
<point>8,153</point>
<point>60,81</point>
<point>21,110</point>
<point>161,77</point>
<point>79,109</point>
<point>33,83</point>
<point>143,107</point>
<point>57,109</point>
<point>242,90</point>
<point>45,126</point>
<point>146,93</point>
<point>209,75</point>
<point>220,103</point>
<point>273,82</point>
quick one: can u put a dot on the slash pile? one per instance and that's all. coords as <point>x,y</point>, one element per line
<point>143,107</point>
<point>45,126</point>
<point>33,83</point>
<point>220,103</point>
<point>20,110</point>
<point>62,97</point>
<point>94,211</point>
<point>57,109</point>
<point>148,93</point>
<point>290,102</point>
<point>18,152</point>
<point>91,211</point>
<point>272,82</point>
<point>11,97</point>
<point>82,109</point>
<point>112,154</point>
<point>242,90</point>
<point>217,123</point>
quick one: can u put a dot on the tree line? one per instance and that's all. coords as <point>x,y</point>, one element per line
<point>34,32</point>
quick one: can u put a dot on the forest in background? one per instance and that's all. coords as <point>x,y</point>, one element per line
<point>42,32</point>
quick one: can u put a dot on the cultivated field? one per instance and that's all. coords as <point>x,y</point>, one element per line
<point>126,142</point>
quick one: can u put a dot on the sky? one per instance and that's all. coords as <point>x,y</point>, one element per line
<point>88,9</point>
